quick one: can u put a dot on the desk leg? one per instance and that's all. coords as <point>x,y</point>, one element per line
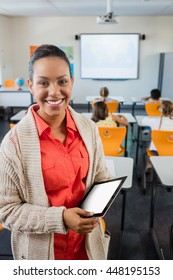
<point>152,208</point>
<point>133,108</point>
<point>137,144</point>
<point>123,209</point>
<point>153,196</point>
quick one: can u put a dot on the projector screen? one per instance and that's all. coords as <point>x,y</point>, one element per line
<point>109,56</point>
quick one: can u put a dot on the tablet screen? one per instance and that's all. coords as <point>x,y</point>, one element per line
<point>101,196</point>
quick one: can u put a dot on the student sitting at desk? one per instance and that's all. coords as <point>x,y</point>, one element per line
<point>102,118</point>
<point>164,122</point>
<point>154,96</point>
<point>104,92</point>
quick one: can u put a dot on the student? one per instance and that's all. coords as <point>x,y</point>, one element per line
<point>154,96</point>
<point>104,93</point>
<point>102,118</point>
<point>164,122</point>
<point>47,162</point>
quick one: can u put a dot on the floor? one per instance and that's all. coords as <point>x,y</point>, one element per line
<point>135,242</point>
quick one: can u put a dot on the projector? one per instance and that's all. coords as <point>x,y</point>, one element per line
<point>107,19</point>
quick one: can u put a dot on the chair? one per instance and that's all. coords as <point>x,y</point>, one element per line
<point>112,138</point>
<point>1,227</point>
<point>112,105</point>
<point>10,83</point>
<point>163,141</point>
<point>152,109</point>
<point>12,125</point>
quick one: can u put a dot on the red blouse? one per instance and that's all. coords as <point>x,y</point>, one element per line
<point>64,167</point>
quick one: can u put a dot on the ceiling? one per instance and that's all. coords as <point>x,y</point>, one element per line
<point>85,7</point>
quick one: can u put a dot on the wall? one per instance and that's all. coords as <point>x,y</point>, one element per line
<point>61,31</point>
<point>6,65</point>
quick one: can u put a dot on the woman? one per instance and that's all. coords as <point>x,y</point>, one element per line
<point>47,162</point>
<point>102,118</point>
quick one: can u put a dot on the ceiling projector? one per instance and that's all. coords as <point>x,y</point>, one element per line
<point>107,19</point>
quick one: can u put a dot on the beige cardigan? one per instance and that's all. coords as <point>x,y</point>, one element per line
<point>24,206</point>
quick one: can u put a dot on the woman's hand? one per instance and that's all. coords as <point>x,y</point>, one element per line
<point>79,220</point>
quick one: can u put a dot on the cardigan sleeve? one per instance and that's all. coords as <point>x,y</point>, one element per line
<point>16,213</point>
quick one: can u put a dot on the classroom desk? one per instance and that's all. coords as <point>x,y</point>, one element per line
<point>118,167</point>
<point>17,117</point>
<point>15,98</point>
<point>139,128</point>
<point>163,169</point>
<point>120,99</point>
<point>128,116</point>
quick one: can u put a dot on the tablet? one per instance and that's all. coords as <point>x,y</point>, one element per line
<point>101,195</point>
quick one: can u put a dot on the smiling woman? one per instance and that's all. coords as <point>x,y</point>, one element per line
<point>49,160</point>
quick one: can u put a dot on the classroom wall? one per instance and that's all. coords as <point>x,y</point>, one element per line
<point>25,31</point>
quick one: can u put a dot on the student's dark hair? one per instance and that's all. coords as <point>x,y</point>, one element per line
<point>46,51</point>
<point>100,111</point>
<point>155,93</point>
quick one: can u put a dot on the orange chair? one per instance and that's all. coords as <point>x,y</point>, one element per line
<point>10,83</point>
<point>152,109</point>
<point>1,227</point>
<point>112,138</point>
<point>112,105</point>
<point>12,125</point>
<point>163,141</point>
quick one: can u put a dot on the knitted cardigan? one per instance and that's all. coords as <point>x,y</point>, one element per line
<point>24,206</point>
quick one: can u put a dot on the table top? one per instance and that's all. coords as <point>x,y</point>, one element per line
<point>119,98</point>
<point>129,116</point>
<point>119,167</point>
<point>140,117</point>
<point>14,90</point>
<point>17,117</point>
<point>163,166</point>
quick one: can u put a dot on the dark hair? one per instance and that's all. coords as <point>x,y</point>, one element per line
<point>155,93</point>
<point>45,51</point>
<point>104,92</point>
<point>100,111</point>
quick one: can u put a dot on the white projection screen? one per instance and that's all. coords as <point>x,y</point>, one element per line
<point>109,56</point>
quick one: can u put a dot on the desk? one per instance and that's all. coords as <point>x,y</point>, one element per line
<point>118,167</point>
<point>17,117</point>
<point>128,116</point>
<point>120,99</point>
<point>163,169</point>
<point>15,98</point>
<point>140,125</point>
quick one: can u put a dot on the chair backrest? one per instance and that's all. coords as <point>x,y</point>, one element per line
<point>112,138</point>
<point>10,83</point>
<point>152,109</point>
<point>163,140</point>
<point>112,106</point>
